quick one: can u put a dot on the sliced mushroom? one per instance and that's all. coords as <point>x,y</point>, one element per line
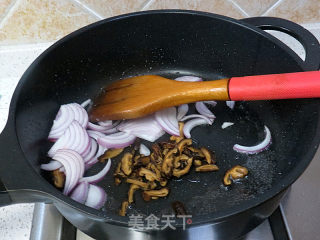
<point>147,195</point>
<point>117,181</point>
<point>149,175</point>
<point>195,153</point>
<point>58,178</point>
<point>210,157</point>
<point>141,161</point>
<point>157,150</point>
<point>179,172</point>
<point>207,168</point>
<point>234,173</point>
<point>163,182</point>
<point>167,162</point>
<point>176,138</point>
<point>126,163</point>
<point>165,151</point>
<point>132,189</point>
<point>183,143</point>
<point>167,145</point>
<point>181,125</point>
<point>123,209</point>
<point>137,182</point>
<point>178,159</point>
<point>110,153</point>
<point>197,163</point>
<point>153,168</point>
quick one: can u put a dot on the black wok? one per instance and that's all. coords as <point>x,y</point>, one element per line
<point>170,44</point>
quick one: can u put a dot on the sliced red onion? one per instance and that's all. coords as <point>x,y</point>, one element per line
<point>116,140</point>
<point>94,160</point>
<point>66,115</point>
<point>189,79</point>
<point>80,193</point>
<point>204,110</point>
<point>167,118</point>
<point>75,138</point>
<point>107,123</point>
<point>188,126</point>
<point>86,103</point>
<point>95,134</point>
<point>92,152</point>
<point>99,176</point>
<point>98,128</point>
<point>182,111</point>
<point>212,103</point>
<point>73,165</point>
<point>146,128</point>
<point>110,131</point>
<point>257,148</point>
<point>210,121</point>
<point>226,124</point>
<point>51,166</point>
<point>230,104</point>
<point>144,150</point>
<point>96,197</point>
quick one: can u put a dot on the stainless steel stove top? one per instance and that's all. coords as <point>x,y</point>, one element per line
<point>297,218</point>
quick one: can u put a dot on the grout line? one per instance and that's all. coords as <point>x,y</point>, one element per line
<point>146,4</point>
<point>276,4</point>
<point>85,7</point>
<point>8,13</point>
<point>239,8</point>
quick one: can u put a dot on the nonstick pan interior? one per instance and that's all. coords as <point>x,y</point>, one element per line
<point>174,45</point>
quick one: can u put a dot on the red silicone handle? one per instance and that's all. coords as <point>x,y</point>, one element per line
<point>275,86</point>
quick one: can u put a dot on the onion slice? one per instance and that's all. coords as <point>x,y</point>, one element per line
<point>188,79</point>
<point>75,138</point>
<point>204,110</point>
<point>226,124</point>
<point>182,111</point>
<point>51,166</point>
<point>257,148</point>
<point>96,197</point>
<point>86,103</point>
<point>144,150</point>
<point>116,140</point>
<point>146,128</point>
<point>80,193</point>
<point>73,165</point>
<point>167,118</point>
<point>66,115</point>
<point>230,104</point>
<point>99,176</point>
<point>210,121</point>
<point>188,126</point>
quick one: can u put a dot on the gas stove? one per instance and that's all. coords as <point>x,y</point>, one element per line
<point>297,218</point>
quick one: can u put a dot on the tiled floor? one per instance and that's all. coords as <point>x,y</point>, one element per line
<point>30,21</point>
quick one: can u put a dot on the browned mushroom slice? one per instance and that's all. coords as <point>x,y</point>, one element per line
<point>117,181</point>
<point>179,172</point>
<point>137,182</point>
<point>141,161</point>
<point>132,189</point>
<point>176,138</point>
<point>149,175</point>
<point>147,195</point>
<point>157,150</point>
<point>207,168</point>
<point>165,151</point>
<point>123,209</point>
<point>197,163</point>
<point>126,163</point>
<point>183,143</point>
<point>210,157</point>
<point>234,173</point>
<point>181,125</point>
<point>163,182</point>
<point>196,153</point>
<point>167,145</point>
<point>153,168</point>
<point>110,153</point>
<point>151,185</point>
<point>167,162</point>
<point>178,159</point>
<point>58,178</point>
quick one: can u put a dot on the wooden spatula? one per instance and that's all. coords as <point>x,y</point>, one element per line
<point>139,96</point>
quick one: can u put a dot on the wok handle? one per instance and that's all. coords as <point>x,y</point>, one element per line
<point>275,86</point>
<point>306,38</point>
